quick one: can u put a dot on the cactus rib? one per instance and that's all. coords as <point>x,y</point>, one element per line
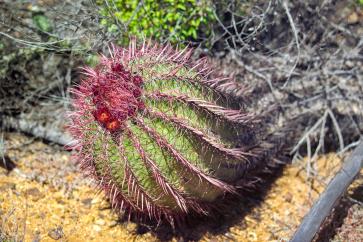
<point>157,134</point>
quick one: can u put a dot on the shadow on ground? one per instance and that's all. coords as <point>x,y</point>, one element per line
<point>230,212</point>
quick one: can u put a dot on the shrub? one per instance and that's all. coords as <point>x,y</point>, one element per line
<point>169,20</point>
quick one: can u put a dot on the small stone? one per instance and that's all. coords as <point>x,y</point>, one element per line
<point>229,236</point>
<point>100,222</point>
<point>131,227</point>
<point>353,18</point>
<point>56,233</point>
<point>349,64</point>
<point>65,157</point>
<point>7,186</point>
<point>34,193</point>
<point>97,228</point>
<point>42,215</point>
<point>87,202</point>
<point>60,201</point>
<point>36,237</point>
<point>113,223</point>
<point>95,200</point>
<point>288,197</point>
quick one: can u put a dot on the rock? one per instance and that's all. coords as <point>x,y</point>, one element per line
<point>97,228</point>
<point>130,227</point>
<point>36,237</point>
<point>34,193</point>
<point>87,202</point>
<point>349,64</point>
<point>95,200</point>
<point>288,197</point>
<point>60,201</point>
<point>353,18</point>
<point>7,185</point>
<point>113,223</point>
<point>100,222</point>
<point>56,233</point>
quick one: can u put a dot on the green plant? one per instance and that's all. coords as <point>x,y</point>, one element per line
<point>156,133</point>
<point>42,22</point>
<point>171,20</point>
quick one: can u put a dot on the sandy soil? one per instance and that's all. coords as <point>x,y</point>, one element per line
<point>44,198</point>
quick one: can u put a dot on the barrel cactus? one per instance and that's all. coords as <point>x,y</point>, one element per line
<point>157,133</point>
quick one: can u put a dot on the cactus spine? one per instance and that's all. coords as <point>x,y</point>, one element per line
<point>156,133</point>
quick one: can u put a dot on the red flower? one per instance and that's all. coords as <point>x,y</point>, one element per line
<point>102,115</point>
<point>137,92</point>
<point>137,80</point>
<point>113,126</point>
<point>117,67</point>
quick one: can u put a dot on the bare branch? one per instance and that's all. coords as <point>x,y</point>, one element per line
<point>33,128</point>
<point>294,30</point>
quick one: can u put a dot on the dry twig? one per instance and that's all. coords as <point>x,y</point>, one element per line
<point>33,128</point>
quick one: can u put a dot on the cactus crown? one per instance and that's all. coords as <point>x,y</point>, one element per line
<point>153,132</point>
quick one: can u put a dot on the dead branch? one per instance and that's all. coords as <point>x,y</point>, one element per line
<point>295,32</point>
<point>335,189</point>
<point>35,129</point>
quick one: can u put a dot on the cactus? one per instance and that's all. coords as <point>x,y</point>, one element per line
<point>157,134</point>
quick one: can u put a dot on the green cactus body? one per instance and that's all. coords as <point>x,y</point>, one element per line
<point>153,132</point>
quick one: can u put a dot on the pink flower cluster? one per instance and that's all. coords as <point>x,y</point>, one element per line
<point>117,97</point>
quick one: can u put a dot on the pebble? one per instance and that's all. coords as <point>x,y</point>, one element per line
<point>113,223</point>
<point>95,200</point>
<point>34,193</point>
<point>349,64</point>
<point>36,237</point>
<point>7,185</point>
<point>288,197</point>
<point>100,222</point>
<point>87,202</point>
<point>353,18</point>
<point>97,228</point>
<point>56,233</point>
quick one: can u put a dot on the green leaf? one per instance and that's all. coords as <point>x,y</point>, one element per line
<point>42,23</point>
<point>92,60</point>
<point>158,19</point>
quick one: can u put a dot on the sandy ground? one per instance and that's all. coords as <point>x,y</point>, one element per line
<point>44,198</point>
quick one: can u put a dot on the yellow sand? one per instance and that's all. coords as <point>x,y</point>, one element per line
<point>32,210</point>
